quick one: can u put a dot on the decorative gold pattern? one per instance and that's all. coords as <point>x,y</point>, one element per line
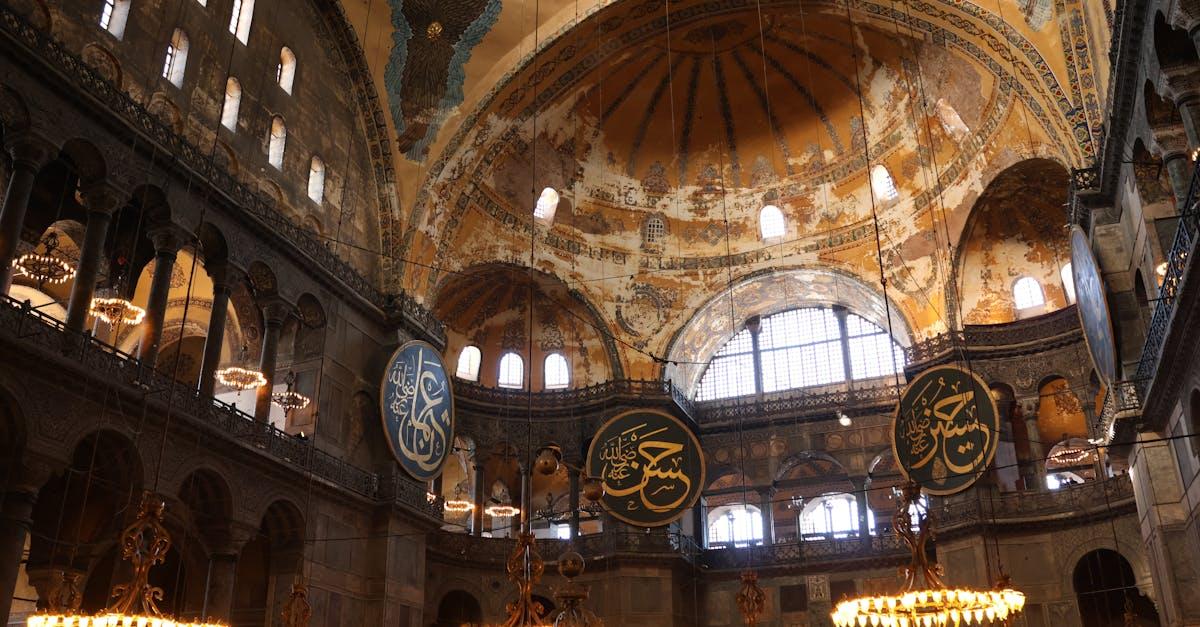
<point>751,599</point>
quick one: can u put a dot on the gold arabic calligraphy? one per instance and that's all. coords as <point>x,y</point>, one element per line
<point>419,402</point>
<point>634,463</point>
<point>936,428</point>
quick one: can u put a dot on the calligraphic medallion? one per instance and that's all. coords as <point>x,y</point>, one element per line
<point>651,466</point>
<point>945,429</point>
<point>1092,305</point>
<point>416,402</point>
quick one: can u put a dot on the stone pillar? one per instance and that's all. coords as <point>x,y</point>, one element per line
<point>700,523</point>
<point>847,367</point>
<point>224,277</point>
<point>221,581</point>
<point>16,518</point>
<point>755,325</point>
<point>1163,506</point>
<point>167,242</point>
<point>101,201</point>
<point>29,153</point>
<point>274,315</point>
<point>477,513</point>
<point>1179,170</point>
<point>1189,110</point>
<point>864,509</point>
<point>1037,451</point>
<point>768,514</point>
<point>573,502</point>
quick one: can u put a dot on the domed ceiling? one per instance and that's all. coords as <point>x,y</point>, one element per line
<point>694,118</point>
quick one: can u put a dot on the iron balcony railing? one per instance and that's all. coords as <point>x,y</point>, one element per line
<point>1182,249</point>
<point>32,330</point>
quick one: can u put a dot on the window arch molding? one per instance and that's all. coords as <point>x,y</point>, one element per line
<point>511,373</point>
<point>469,360</point>
<point>762,295</point>
<point>285,72</point>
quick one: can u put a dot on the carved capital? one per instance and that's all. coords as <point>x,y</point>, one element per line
<point>224,276</point>
<point>102,198</point>
<point>276,311</point>
<point>168,239</point>
<point>29,151</point>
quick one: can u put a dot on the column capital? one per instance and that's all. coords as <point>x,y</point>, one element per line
<point>102,198</point>
<point>29,150</point>
<point>276,310</point>
<point>168,238</point>
<point>224,275</point>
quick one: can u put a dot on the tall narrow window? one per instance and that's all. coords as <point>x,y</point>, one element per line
<point>557,373</point>
<point>233,101</point>
<point>239,19</point>
<point>316,180</point>
<point>285,72</point>
<point>277,142</point>
<point>176,58</point>
<point>547,205</point>
<point>882,184</point>
<point>1068,281</point>
<point>512,371</point>
<point>113,16</point>
<point>1027,293</point>
<point>468,364</point>
<point>770,222</point>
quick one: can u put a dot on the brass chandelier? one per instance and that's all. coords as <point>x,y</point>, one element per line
<point>241,378</point>
<point>144,544</point>
<point>290,399</point>
<point>930,604</point>
<point>46,267</point>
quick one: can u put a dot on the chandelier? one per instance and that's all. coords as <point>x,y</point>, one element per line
<point>932,604</point>
<point>144,544</point>
<point>46,268</point>
<point>502,511</point>
<point>289,399</point>
<point>456,505</point>
<point>240,378</point>
<point>115,310</point>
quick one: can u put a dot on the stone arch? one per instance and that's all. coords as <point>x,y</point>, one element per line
<point>262,279</point>
<point>817,458</point>
<point>86,160</point>
<point>102,60</point>
<point>996,246</point>
<point>225,157</point>
<point>1172,46</point>
<point>166,111</point>
<point>310,334</point>
<point>1150,175</point>
<point>458,607</point>
<point>208,500</point>
<point>1091,575</point>
<point>14,115</point>
<point>1160,111</point>
<point>13,432</point>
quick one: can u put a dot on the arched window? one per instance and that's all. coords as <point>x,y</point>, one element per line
<point>468,364</point>
<point>547,205</point>
<point>114,14</point>
<point>830,516</point>
<point>176,58</point>
<point>239,19</point>
<point>285,72</point>
<point>233,101</point>
<point>1068,281</point>
<point>801,348</point>
<point>512,371</point>
<point>770,222</point>
<point>316,180</point>
<point>882,184</point>
<point>277,142</point>
<point>735,525</point>
<point>654,231</point>
<point>1027,293</point>
<point>557,373</point>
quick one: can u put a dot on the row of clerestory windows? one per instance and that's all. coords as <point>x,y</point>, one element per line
<point>114,16</point>
<point>556,372</point>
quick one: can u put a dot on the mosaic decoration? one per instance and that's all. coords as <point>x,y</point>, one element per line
<point>651,465</point>
<point>416,402</point>
<point>945,430</point>
<point>1092,305</point>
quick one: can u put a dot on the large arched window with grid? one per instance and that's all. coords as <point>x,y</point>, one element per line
<point>800,348</point>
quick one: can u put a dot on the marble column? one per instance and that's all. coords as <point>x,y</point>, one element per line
<point>768,515</point>
<point>864,509</point>
<point>221,581</point>
<point>1189,110</point>
<point>573,501</point>
<point>167,242</point>
<point>1037,451</point>
<point>275,313</point>
<point>1179,170</point>
<point>224,277</point>
<point>100,201</point>
<point>477,513</point>
<point>29,154</point>
<point>16,518</point>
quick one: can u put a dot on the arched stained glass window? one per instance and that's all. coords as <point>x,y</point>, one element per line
<point>468,363</point>
<point>239,19</point>
<point>233,102</point>
<point>512,371</point>
<point>770,222</point>
<point>735,525</point>
<point>114,14</point>
<point>316,180</point>
<point>883,185</point>
<point>175,61</point>
<point>277,142</point>
<point>1027,293</point>
<point>285,72</point>
<point>557,372</point>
